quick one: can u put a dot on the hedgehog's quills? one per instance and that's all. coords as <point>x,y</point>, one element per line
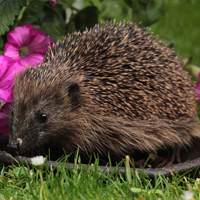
<point>112,89</point>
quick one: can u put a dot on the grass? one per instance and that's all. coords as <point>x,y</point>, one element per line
<point>180,25</point>
<point>20,182</point>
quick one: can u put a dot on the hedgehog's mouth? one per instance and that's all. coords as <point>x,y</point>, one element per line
<point>49,149</point>
<point>14,146</point>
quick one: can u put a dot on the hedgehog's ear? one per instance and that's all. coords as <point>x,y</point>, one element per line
<point>73,92</point>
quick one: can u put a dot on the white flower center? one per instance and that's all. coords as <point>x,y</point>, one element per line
<point>23,51</point>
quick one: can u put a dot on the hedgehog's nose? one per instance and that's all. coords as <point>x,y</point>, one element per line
<point>13,145</point>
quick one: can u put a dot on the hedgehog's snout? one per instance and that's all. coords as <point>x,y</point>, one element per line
<point>14,145</point>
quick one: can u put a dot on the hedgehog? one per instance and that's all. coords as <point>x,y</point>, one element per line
<point>113,89</point>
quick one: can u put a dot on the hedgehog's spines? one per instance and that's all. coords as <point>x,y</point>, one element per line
<point>134,94</point>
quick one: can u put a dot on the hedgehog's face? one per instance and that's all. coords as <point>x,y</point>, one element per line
<point>41,115</point>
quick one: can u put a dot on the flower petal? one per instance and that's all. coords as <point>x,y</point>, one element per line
<point>32,59</point>
<point>39,42</point>
<point>4,112</point>
<point>4,63</point>
<point>7,81</point>
<point>50,41</point>
<point>20,35</point>
<point>38,160</point>
<point>25,36</point>
<point>11,51</point>
<point>13,68</point>
<point>198,91</point>
<point>6,95</point>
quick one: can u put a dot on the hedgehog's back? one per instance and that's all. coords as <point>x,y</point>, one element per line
<point>127,72</point>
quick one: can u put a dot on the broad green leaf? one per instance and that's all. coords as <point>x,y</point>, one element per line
<point>155,9</point>
<point>54,15</point>
<point>53,22</point>
<point>146,12</point>
<point>20,171</point>
<point>85,18</point>
<point>111,10</point>
<point>53,30</point>
<point>65,3</point>
<point>8,11</point>
<point>139,14</point>
<point>33,11</point>
<point>71,27</point>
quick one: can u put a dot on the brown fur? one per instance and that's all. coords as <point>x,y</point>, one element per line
<point>112,89</point>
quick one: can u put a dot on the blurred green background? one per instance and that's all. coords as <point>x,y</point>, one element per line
<point>180,26</point>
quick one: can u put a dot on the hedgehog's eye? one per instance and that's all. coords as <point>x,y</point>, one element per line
<point>43,117</point>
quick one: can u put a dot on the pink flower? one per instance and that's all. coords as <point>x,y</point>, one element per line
<point>52,3</point>
<point>8,69</point>
<point>27,45</point>
<point>198,89</point>
<point>4,128</point>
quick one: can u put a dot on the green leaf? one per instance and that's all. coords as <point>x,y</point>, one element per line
<point>155,9</point>
<point>111,11</point>
<point>85,18</point>
<point>146,12</point>
<point>138,190</point>
<point>8,10</point>
<point>53,22</point>
<point>20,171</point>
<point>31,14</point>
<point>139,14</point>
<point>53,30</point>
<point>65,3</point>
<point>54,15</point>
<point>71,27</point>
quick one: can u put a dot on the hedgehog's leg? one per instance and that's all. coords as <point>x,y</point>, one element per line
<point>167,158</point>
